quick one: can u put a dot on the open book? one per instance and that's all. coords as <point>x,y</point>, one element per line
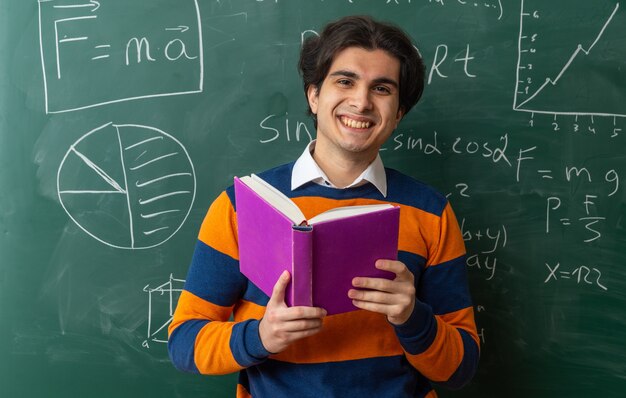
<point>323,254</point>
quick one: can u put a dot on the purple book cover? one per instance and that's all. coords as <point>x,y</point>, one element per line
<point>322,259</point>
<point>349,247</point>
<point>268,245</point>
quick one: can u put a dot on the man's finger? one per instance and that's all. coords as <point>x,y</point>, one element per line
<point>301,325</point>
<point>303,312</point>
<point>383,285</point>
<point>278,292</point>
<point>371,306</point>
<point>371,296</point>
<point>396,267</point>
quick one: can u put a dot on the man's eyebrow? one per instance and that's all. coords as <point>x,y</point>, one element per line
<point>353,75</point>
<point>345,73</point>
<point>386,80</point>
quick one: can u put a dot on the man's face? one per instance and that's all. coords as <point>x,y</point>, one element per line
<point>357,105</point>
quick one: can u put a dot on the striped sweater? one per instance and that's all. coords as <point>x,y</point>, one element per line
<point>356,354</point>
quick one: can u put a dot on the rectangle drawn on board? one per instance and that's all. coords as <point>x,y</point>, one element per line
<point>577,73</point>
<point>96,53</point>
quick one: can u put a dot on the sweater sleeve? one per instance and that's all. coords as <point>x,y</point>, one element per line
<point>202,336</point>
<point>440,338</point>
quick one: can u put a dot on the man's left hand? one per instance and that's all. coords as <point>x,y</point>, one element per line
<point>393,298</point>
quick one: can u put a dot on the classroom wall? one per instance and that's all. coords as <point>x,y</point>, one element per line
<point>120,121</point>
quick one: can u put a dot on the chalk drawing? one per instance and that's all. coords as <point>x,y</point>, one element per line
<point>96,53</point>
<point>546,66</point>
<point>161,300</point>
<point>128,186</point>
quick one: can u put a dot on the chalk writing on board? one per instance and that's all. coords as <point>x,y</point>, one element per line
<point>481,331</point>
<point>483,263</point>
<point>497,152</point>
<point>275,130</point>
<point>441,55</point>
<point>571,173</point>
<point>582,125</point>
<point>86,42</point>
<point>541,79</point>
<point>305,34</point>
<point>494,236</point>
<point>161,302</point>
<point>126,185</point>
<point>485,242</point>
<point>601,183</point>
<point>589,221</point>
<point>492,5</point>
<point>581,275</point>
<point>461,190</point>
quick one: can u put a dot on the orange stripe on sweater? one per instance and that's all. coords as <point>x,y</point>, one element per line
<point>242,392</point>
<point>417,223</point>
<point>245,310</point>
<point>450,243</point>
<point>225,241</point>
<point>443,356</point>
<point>212,354</point>
<point>408,225</point>
<point>368,336</point>
<point>334,342</point>
<point>463,319</point>
<point>314,205</point>
<point>191,306</point>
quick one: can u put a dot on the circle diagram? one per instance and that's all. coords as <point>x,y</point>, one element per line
<point>128,186</point>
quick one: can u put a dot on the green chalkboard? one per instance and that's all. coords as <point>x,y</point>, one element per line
<point>120,121</point>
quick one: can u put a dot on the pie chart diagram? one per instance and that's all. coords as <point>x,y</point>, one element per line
<point>127,186</point>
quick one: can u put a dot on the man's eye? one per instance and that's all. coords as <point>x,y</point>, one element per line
<point>382,90</point>
<point>344,82</point>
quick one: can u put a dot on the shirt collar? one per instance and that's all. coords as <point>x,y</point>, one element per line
<point>306,170</point>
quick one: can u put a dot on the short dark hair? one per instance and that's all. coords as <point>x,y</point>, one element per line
<point>318,53</point>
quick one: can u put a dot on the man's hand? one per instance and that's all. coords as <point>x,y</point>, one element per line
<point>283,325</point>
<point>393,298</point>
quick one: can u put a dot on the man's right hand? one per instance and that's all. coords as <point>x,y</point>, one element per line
<point>282,325</point>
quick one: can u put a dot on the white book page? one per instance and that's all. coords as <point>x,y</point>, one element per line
<point>276,198</point>
<point>347,211</point>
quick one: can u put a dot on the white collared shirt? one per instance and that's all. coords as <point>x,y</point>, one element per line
<point>306,170</point>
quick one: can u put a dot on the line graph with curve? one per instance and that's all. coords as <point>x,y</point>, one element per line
<point>571,59</point>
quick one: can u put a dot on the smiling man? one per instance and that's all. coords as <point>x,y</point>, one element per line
<point>360,78</point>
<point>357,108</point>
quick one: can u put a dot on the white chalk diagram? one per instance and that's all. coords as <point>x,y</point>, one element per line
<point>126,185</point>
<point>161,300</point>
<point>570,78</point>
<point>117,45</point>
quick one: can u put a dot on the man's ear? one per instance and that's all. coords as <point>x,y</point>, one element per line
<point>312,96</point>
<point>399,115</point>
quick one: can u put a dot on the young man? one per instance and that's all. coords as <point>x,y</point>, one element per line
<point>360,78</point>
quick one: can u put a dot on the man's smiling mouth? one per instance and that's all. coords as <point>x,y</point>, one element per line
<point>355,124</point>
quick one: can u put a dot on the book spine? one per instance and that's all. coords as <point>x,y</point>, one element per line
<point>301,292</point>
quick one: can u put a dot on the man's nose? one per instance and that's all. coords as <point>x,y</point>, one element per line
<point>361,99</point>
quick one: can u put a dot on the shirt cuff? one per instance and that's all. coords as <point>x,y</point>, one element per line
<point>251,351</point>
<point>419,331</point>
<point>252,341</point>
